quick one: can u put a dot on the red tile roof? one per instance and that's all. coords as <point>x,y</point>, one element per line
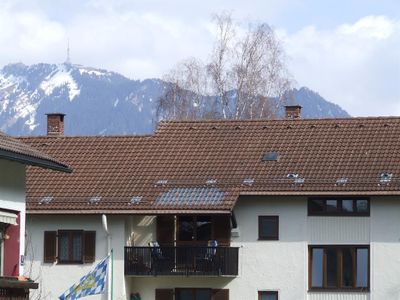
<point>13,149</point>
<point>325,153</point>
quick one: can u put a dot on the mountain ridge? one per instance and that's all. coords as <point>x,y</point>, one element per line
<point>98,101</point>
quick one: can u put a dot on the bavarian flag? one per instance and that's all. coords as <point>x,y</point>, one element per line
<point>90,284</point>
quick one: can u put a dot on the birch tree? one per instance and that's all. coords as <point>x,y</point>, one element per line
<point>245,71</point>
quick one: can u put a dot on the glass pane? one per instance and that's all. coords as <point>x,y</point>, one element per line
<point>269,227</point>
<point>316,206</point>
<point>347,206</point>
<point>347,267</point>
<point>77,247</point>
<point>186,230</point>
<point>64,247</point>
<point>362,267</point>
<point>269,296</point>
<point>185,294</point>
<point>317,267</point>
<point>203,294</point>
<point>203,228</point>
<point>362,205</point>
<point>331,267</point>
<point>331,205</point>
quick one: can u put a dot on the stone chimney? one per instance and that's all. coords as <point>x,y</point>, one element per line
<point>292,111</point>
<point>55,124</point>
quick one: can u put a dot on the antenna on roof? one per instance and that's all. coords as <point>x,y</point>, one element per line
<point>68,60</point>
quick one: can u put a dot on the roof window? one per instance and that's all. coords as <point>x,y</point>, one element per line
<point>270,156</point>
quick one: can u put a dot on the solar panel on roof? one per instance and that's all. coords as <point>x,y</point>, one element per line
<point>195,196</point>
<point>270,156</point>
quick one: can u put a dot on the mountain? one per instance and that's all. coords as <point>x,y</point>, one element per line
<point>97,101</point>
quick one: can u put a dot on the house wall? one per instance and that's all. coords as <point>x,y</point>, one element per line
<point>54,279</point>
<point>263,265</point>
<point>12,197</point>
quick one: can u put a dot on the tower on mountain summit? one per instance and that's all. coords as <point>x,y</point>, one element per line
<point>68,60</point>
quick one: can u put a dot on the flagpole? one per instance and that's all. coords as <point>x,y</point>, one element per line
<point>112,274</point>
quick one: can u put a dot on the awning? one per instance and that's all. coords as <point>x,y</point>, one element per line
<point>8,218</point>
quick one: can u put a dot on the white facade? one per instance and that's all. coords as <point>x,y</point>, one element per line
<point>12,196</point>
<point>263,265</point>
<point>53,278</point>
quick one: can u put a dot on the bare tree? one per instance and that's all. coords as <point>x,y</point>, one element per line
<point>246,70</point>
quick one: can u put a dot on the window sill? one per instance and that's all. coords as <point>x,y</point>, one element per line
<point>342,290</point>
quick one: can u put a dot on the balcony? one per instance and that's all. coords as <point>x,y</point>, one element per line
<point>181,261</point>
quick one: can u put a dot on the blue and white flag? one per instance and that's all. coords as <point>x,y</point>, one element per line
<point>90,284</point>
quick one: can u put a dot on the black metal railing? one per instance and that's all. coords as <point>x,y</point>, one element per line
<point>182,260</point>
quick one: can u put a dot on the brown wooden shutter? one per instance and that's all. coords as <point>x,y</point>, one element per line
<point>220,294</point>
<point>222,229</point>
<point>165,230</point>
<point>164,294</point>
<point>89,253</point>
<point>50,246</point>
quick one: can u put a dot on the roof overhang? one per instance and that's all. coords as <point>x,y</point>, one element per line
<point>323,193</point>
<point>34,161</point>
<point>128,212</point>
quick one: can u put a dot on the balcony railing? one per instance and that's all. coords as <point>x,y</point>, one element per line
<point>181,260</point>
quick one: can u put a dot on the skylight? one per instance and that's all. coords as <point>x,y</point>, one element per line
<point>270,156</point>
<point>95,200</point>
<point>46,200</point>
<point>385,178</point>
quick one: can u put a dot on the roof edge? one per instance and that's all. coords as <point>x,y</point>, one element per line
<point>322,193</point>
<point>34,161</point>
<point>124,212</point>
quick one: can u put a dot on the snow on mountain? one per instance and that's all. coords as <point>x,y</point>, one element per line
<point>96,101</point>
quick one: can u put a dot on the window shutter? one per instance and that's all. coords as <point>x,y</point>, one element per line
<point>220,294</point>
<point>164,294</point>
<point>50,248</point>
<point>222,229</point>
<point>89,253</point>
<point>166,230</point>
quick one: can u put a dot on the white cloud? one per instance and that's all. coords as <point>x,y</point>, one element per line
<point>355,65</point>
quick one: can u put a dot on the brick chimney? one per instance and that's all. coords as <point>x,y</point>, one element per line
<point>292,111</point>
<point>55,124</point>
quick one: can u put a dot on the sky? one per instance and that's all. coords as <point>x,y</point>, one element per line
<point>346,50</point>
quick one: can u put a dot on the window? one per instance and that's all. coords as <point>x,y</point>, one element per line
<point>69,246</point>
<point>193,294</point>
<point>268,227</point>
<point>267,295</point>
<point>339,267</point>
<point>194,228</point>
<point>338,207</point>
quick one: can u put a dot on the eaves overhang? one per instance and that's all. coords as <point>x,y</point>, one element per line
<point>34,161</point>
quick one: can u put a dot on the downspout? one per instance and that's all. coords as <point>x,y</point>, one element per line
<point>110,255</point>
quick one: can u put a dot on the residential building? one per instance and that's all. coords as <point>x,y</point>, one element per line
<point>266,209</point>
<point>14,156</point>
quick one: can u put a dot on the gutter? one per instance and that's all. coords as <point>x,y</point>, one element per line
<point>34,161</point>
